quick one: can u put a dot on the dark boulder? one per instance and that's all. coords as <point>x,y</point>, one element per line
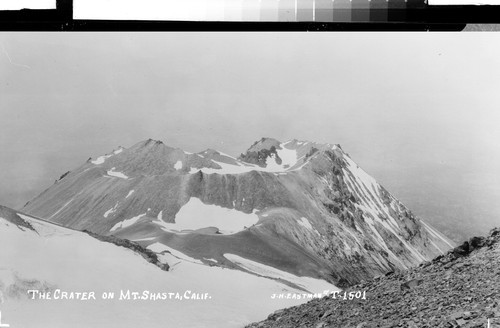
<point>411,283</point>
<point>476,242</point>
<point>462,250</point>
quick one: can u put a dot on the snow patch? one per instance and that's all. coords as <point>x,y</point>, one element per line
<point>117,174</point>
<point>288,156</point>
<point>160,248</point>
<point>305,223</point>
<point>178,165</point>
<point>110,211</point>
<point>312,285</point>
<point>288,162</point>
<point>144,239</point>
<point>197,215</point>
<point>272,165</point>
<point>129,193</point>
<point>226,168</point>
<point>101,159</point>
<point>127,223</point>
<point>226,155</point>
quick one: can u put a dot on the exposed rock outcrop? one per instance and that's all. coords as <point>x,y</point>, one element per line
<point>147,254</point>
<point>458,289</point>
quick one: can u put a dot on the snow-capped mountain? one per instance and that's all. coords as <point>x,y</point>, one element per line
<point>300,208</point>
<point>60,262</point>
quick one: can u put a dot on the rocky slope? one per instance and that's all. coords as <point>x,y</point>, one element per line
<point>459,289</point>
<point>299,207</point>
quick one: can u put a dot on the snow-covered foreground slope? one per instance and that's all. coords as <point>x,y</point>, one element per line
<point>52,258</point>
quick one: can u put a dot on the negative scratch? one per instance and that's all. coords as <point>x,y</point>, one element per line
<point>10,59</point>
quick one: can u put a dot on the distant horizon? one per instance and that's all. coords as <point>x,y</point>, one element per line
<point>418,112</point>
<point>256,140</point>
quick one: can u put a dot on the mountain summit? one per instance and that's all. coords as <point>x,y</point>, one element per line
<point>297,211</point>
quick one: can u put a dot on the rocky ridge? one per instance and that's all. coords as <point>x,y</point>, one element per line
<point>300,207</point>
<point>13,216</point>
<point>458,289</point>
<point>147,254</point>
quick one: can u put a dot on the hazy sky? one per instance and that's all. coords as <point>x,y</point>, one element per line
<point>418,111</point>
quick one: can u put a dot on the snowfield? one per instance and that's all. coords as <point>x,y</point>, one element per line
<point>312,285</point>
<point>196,215</point>
<point>127,223</point>
<point>58,258</point>
<point>288,157</point>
